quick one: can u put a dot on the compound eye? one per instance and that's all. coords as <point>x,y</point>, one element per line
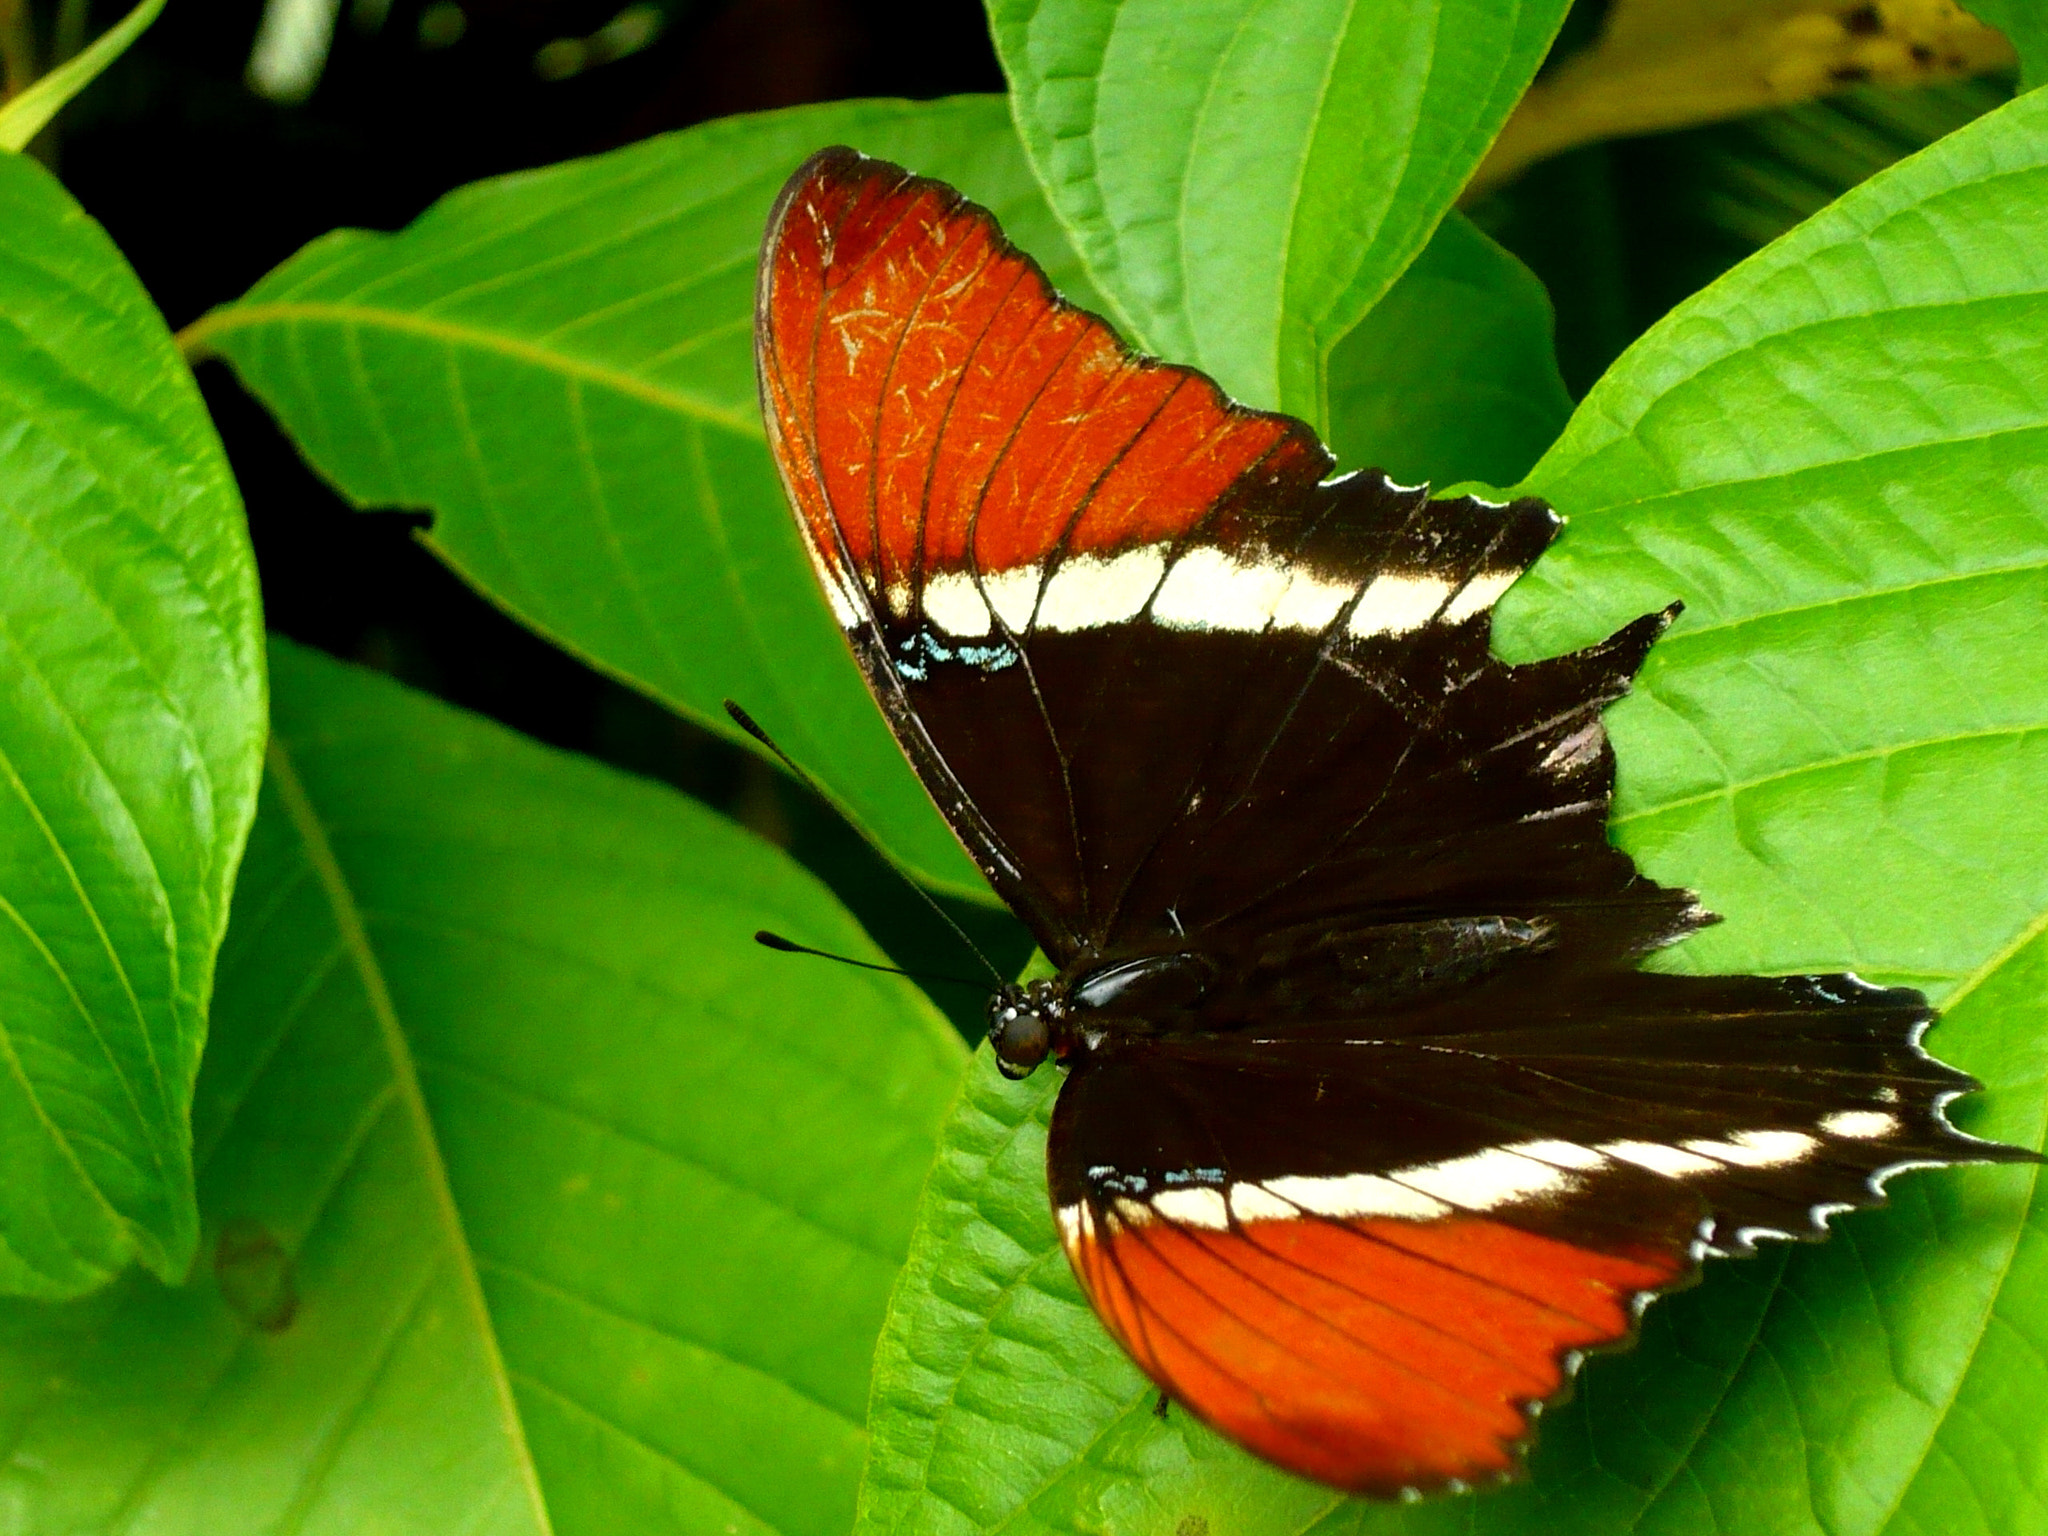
<point>1021,1040</point>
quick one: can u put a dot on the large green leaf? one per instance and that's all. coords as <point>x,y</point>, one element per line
<point>330,1362</point>
<point>1835,455</point>
<point>1245,178</point>
<point>524,1171</point>
<point>131,733</point>
<point>1453,375</point>
<point>560,366</point>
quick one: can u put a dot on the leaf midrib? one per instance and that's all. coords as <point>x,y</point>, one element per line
<point>1689,632</point>
<point>1821,764</point>
<point>707,1000</point>
<point>469,223</point>
<point>512,1089</point>
<point>200,339</point>
<point>305,821</point>
<point>1790,472</point>
<point>525,1275</point>
<point>576,1405</point>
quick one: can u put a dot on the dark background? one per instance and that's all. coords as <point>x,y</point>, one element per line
<point>206,185</point>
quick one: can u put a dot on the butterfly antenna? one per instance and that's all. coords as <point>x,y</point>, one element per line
<point>777,942</point>
<point>752,727</point>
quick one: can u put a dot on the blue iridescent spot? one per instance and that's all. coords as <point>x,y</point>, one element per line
<point>924,647</point>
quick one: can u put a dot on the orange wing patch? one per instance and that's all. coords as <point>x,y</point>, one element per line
<point>1377,1356</point>
<point>935,405</point>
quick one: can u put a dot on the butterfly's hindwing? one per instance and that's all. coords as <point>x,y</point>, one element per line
<point>1373,1258</point>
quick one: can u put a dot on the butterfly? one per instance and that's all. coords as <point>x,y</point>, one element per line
<point>1371,1124</point>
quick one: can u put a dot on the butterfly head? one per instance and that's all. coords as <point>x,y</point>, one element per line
<point>1026,1024</point>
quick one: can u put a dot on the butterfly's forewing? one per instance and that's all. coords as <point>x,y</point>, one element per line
<point>1116,619</point>
<point>948,431</point>
<point>1421,1131</point>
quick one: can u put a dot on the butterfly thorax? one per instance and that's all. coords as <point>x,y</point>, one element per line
<point>1318,970</point>
<point>1088,1001</point>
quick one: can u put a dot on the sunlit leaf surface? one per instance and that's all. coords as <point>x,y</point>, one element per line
<point>131,729</point>
<point>527,1176</point>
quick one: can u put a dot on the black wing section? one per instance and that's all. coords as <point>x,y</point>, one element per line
<point>1373,1259</point>
<point>1163,678</point>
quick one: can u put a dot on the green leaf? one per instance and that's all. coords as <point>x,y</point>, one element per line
<point>1246,178</point>
<point>330,1364</point>
<point>524,1170</point>
<point>27,114</point>
<point>2025,24</point>
<point>131,733</point>
<point>1452,376</point>
<point>1835,456</point>
<point>560,365</point>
